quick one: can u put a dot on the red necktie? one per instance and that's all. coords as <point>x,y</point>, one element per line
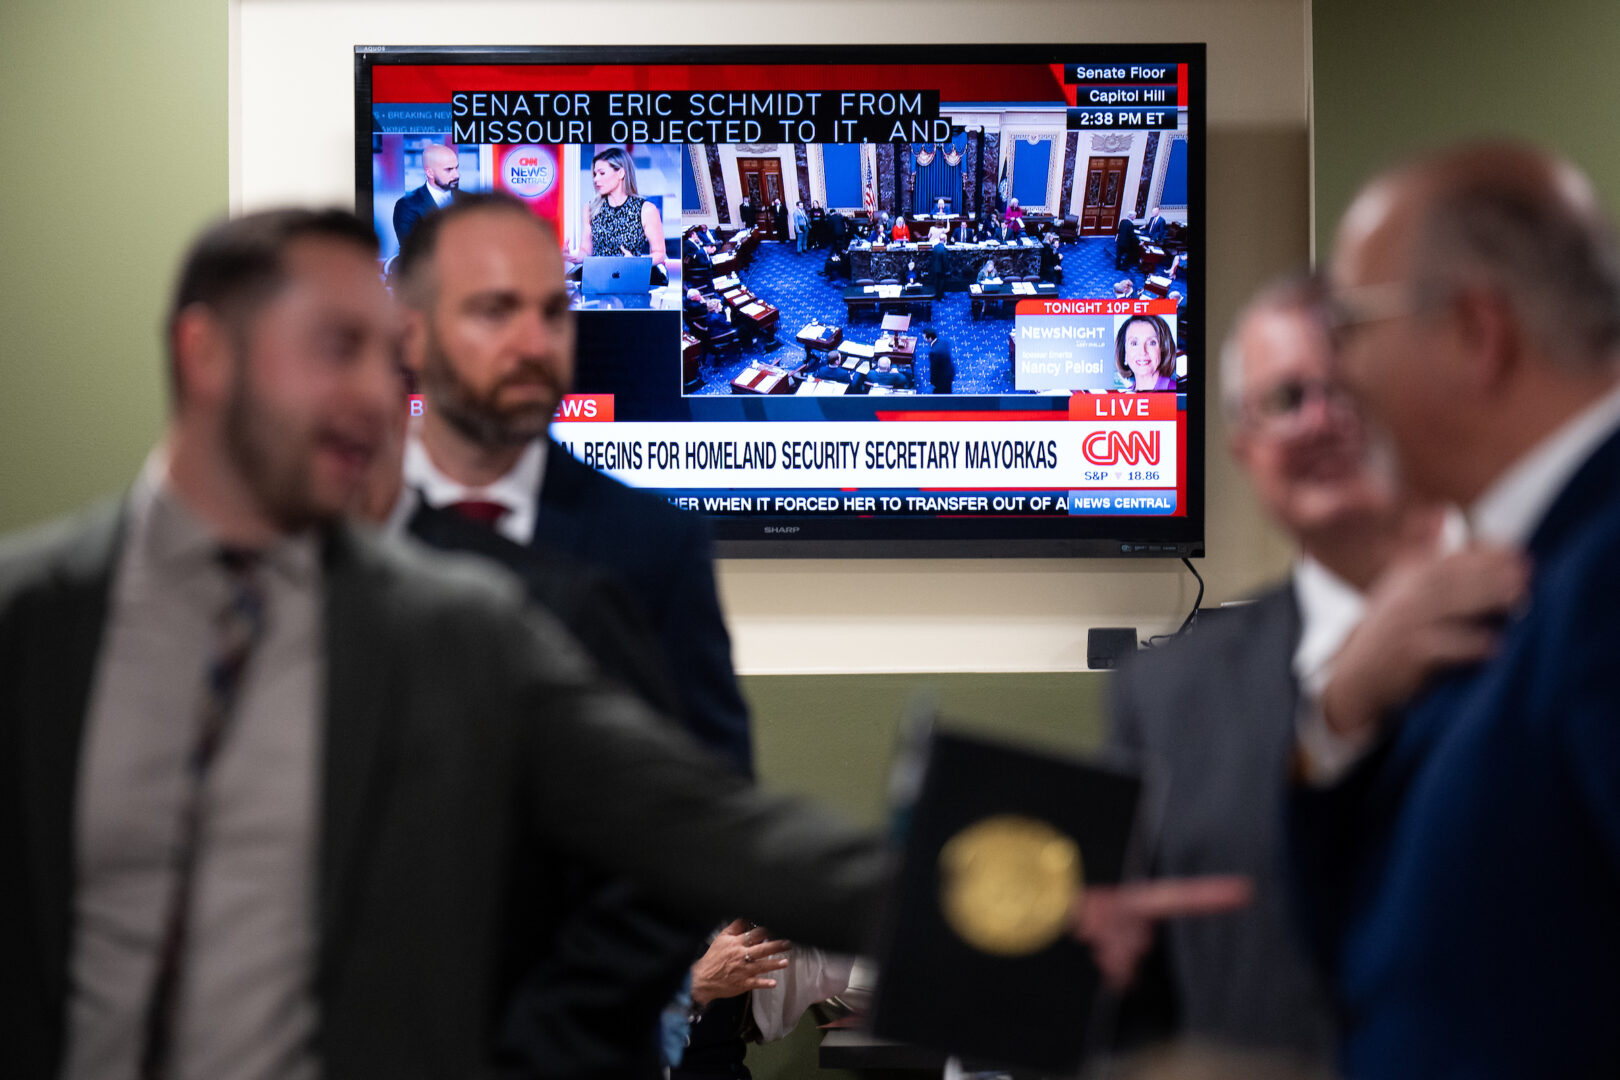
<point>483,511</point>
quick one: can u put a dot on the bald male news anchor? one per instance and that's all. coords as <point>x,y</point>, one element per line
<point>277,795</point>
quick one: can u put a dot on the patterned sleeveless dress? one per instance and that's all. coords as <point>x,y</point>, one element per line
<point>616,227</point>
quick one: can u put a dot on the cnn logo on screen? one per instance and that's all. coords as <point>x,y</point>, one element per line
<point>1121,448</point>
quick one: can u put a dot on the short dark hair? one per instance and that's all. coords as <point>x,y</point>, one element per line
<point>238,264</point>
<point>1167,345</point>
<point>416,252</point>
<point>930,333</point>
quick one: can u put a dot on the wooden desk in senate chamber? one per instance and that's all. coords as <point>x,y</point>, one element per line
<point>1005,300</point>
<point>791,376</point>
<point>962,261</point>
<point>881,298</point>
<point>752,317</point>
<point>736,251</point>
<point>817,338</point>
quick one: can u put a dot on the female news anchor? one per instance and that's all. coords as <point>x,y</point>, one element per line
<point>1145,353</point>
<point>622,222</point>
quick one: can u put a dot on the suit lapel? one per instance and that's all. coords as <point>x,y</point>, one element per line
<point>62,642</point>
<point>557,521</point>
<point>356,761</point>
<point>1590,488</point>
<point>1278,638</point>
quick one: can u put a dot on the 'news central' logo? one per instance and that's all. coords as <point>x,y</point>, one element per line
<point>530,171</point>
<point>1121,447</point>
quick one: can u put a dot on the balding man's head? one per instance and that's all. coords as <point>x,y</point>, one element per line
<point>442,166</point>
<point>1508,217</point>
<point>1475,299</point>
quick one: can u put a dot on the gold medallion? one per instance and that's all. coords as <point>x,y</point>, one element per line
<point>1006,883</point>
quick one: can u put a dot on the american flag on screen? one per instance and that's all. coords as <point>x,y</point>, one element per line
<point>869,187</point>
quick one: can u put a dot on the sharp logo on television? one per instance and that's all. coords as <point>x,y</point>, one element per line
<point>530,171</point>
<point>1116,447</point>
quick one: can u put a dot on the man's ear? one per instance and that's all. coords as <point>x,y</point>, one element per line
<point>1238,443</point>
<point>203,350</point>
<point>414,354</point>
<point>1490,338</point>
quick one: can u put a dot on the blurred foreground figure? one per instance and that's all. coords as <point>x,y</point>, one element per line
<point>281,797</point>
<point>1220,719</point>
<point>1467,871</point>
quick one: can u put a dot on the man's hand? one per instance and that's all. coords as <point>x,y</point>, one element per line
<point>1423,616</point>
<point>737,962</point>
<point>1117,921</point>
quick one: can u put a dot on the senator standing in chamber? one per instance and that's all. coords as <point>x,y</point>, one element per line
<point>801,227</point>
<point>325,867</point>
<point>1469,865</point>
<point>936,363</point>
<point>1216,720</point>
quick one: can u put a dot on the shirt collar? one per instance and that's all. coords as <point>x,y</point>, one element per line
<point>439,195</point>
<point>176,540</point>
<point>518,489</point>
<point>1329,608</point>
<point>1514,504</point>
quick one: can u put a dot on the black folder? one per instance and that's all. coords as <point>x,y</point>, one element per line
<point>970,961</point>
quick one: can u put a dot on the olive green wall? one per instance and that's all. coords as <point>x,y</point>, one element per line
<point>114,129</point>
<point>1395,76</point>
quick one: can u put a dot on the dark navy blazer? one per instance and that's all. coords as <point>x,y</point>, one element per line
<point>1467,875</point>
<point>665,557</point>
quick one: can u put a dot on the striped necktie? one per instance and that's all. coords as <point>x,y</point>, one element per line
<point>238,628</point>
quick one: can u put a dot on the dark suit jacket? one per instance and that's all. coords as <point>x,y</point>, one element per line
<point>1468,875</point>
<point>465,741</point>
<point>1211,719</point>
<point>612,959</point>
<point>714,324</point>
<point>693,255</point>
<point>593,605</point>
<point>410,209</point>
<point>664,556</point>
<point>941,366</point>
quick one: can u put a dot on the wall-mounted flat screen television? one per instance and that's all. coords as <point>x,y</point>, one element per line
<point>908,299</point>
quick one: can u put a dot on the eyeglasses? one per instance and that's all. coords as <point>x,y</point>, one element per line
<point>1347,310</point>
<point>1280,410</point>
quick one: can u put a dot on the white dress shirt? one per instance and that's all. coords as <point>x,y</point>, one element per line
<point>1512,507</point>
<point>518,490</point>
<point>1329,609</point>
<point>1507,513</point>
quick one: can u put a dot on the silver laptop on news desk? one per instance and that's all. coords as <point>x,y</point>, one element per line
<point>616,273</point>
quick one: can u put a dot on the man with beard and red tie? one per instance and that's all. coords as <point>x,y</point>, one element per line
<point>491,339</point>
